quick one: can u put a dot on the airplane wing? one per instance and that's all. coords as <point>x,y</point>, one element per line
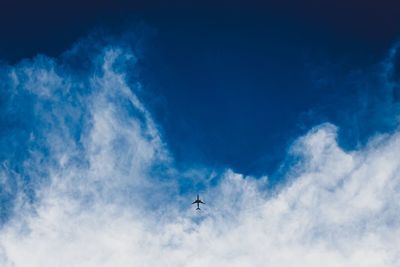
<point>194,202</point>
<point>201,202</point>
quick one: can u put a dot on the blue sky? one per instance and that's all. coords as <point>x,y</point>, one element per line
<point>211,77</point>
<point>284,118</point>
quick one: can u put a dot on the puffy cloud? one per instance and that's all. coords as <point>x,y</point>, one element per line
<point>102,175</point>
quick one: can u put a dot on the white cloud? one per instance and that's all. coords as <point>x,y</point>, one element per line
<point>339,208</point>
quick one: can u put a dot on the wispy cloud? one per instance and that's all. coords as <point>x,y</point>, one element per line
<point>103,193</point>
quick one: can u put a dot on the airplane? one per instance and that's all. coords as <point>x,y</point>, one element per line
<point>198,201</point>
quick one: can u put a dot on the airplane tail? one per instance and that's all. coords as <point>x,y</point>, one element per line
<point>198,209</point>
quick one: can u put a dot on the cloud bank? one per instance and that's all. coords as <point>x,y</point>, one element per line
<point>94,184</point>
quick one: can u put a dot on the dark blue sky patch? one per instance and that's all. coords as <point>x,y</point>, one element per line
<point>238,100</point>
<point>228,89</point>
